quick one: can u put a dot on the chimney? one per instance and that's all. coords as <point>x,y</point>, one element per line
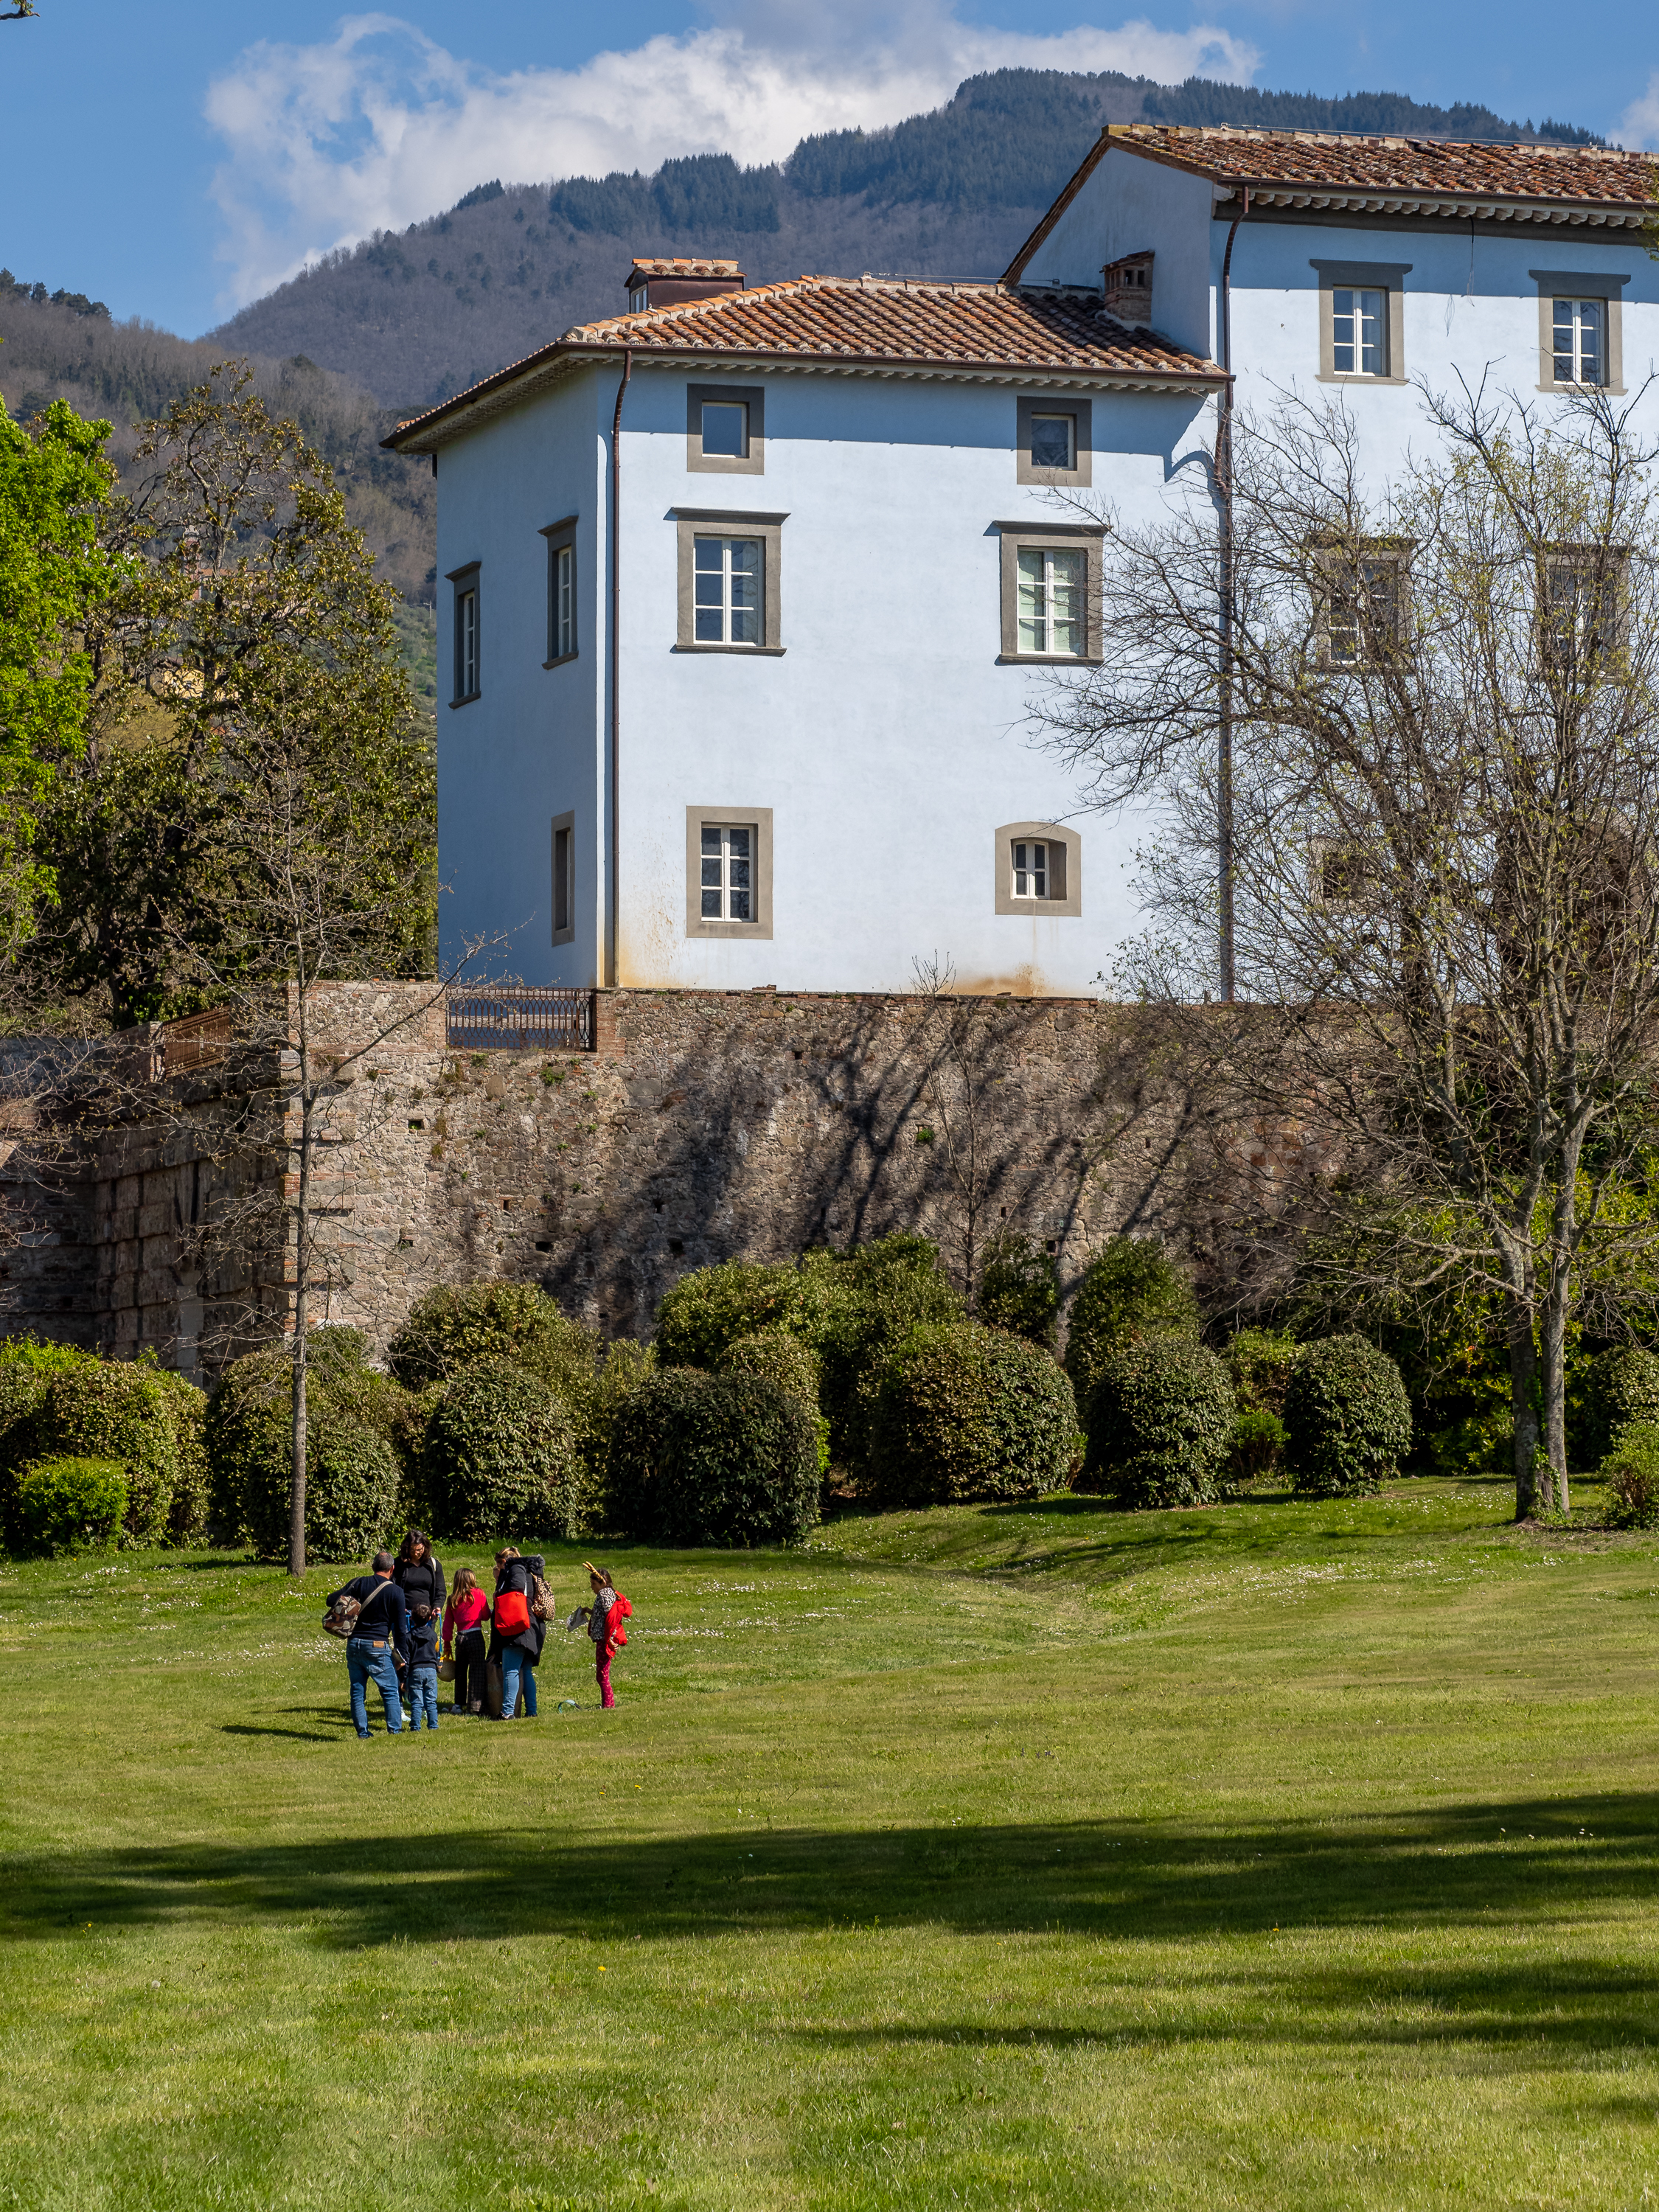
<point>665,283</point>
<point>1127,287</point>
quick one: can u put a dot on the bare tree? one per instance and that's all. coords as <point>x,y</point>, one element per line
<point>1445,792</point>
<point>958,1070</point>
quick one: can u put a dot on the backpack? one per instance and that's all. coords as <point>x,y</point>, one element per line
<point>341,1619</point>
<point>541,1606</point>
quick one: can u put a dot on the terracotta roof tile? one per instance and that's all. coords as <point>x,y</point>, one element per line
<point>1596,175</point>
<point>684,268</point>
<point>868,321</point>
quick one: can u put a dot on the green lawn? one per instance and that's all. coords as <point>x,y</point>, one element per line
<point>1277,1855</point>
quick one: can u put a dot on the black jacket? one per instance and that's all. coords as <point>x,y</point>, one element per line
<point>423,1640</point>
<point>515,1576</point>
<point>384,1613</point>
<point>422,1581</point>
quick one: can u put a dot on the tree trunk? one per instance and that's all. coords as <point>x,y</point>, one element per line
<point>296,1503</point>
<point>1553,1364</point>
<point>1523,1403</point>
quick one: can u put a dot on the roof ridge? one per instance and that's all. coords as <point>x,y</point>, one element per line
<point>1547,149</point>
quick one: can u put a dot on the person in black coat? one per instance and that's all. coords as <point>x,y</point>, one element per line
<point>379,1642</point>
<point>418,1575</point>
<point>514,1644</point>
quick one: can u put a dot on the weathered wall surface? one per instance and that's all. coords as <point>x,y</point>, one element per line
<point>705,1125</point>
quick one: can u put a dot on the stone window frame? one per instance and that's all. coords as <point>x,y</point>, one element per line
<point>690,523</point>
<point>564,825</point>
<point>757,818</point>
<point>562,538</point>
<point>1067,904</point>
<point>1053,538</point>
<point>1394,553</point>
<point>462,580</point>
<point>751,463</point>
<point>1385,276</point>
<point>1555,284</point>
<point>1080,476</point>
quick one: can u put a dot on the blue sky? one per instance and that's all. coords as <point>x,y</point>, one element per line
<point>177,160</point>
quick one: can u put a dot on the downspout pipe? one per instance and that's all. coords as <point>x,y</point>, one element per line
<point>613,933</point>
<point>1223,473</point>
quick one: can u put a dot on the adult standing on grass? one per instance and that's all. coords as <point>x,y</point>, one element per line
<point>379,1638</point>
<point>464,1639</point>
<point>514,1644</point>
<point>418,1575</point>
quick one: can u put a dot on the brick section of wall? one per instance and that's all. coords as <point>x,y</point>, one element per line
<point>705,1126</point>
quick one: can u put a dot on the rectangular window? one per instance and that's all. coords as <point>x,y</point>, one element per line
<point>467,643</point>
<point>1583,618</point>
<point>564,603</point>
<point>729,574</point>
<point>1051,601</point>
<point>727,880</point>
<point>1580,355</point>
<point>1580,330</point>
<point>564,879</point>
<point>726,429</point>
<point>1358,345</point>
<point>728,871</point>
<point>1362,321</point>
<point>1362,607</point>
<point>1052,442</point>
<point>1039,864</point>
<point>1031,868</point>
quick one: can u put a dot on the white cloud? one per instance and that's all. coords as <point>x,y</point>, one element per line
<point>378,126</point>
<point>1639,124</point>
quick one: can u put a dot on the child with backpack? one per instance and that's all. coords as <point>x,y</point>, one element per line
<point>605,1619</point>
<point>423,1677</point>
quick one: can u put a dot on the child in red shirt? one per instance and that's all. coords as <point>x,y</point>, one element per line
<point>464,1640</point>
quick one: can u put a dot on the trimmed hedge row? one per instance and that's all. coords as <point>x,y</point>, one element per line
<point>57,1403</point>
<point>728,1459</point>
<point>964,1413</point>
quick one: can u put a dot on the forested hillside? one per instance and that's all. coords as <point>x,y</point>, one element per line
<point>416,314</point>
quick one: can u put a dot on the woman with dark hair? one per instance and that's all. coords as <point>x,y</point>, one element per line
<point>418,1575</point>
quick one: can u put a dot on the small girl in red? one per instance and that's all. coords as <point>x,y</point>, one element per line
<point>605,1619</point>
<point>464,1640</point>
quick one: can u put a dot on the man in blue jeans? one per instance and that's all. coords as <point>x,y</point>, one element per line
<point>379,1637</point>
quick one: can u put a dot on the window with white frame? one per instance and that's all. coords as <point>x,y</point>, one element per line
<point>1359,332</point>
<point>1054,442</point>
<point>1363,597</point>
<point>564,603</point>
<point>1585,589</point>
<point>728,575</point>
<point>564,879</point>
<point>1030,867</point>
<point>1579,329</point>
<point>1039,871</point>
<point>727,885</point>
<point>725,428</point>
<point>467,649</point>
<point>1052,600</point>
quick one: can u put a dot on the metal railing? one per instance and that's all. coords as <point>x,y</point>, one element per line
<point>520,1017</point>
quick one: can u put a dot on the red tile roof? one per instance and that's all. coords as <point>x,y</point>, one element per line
<point>1380,176</point>
<point>1592,175</point>
<point>873,324</point>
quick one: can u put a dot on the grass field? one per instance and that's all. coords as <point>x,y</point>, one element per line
<point>1276,1856</point>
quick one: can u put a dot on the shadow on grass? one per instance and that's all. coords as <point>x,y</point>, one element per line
<point>1442,1868</point>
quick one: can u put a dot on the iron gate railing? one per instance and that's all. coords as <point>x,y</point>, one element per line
<point>520,1017</point>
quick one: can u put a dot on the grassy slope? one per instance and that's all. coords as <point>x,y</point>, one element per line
<point>1279,1855</point>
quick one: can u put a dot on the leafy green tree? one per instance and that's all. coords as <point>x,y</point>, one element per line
<point>54,573</point>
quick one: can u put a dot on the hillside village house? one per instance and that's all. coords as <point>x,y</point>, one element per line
<point>747,592</point>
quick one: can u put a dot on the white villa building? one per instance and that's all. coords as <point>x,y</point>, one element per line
<point>736,693</point>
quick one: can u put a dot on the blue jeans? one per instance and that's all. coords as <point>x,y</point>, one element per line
<point>517,1671</point>
<point>368,1661</point>
<point>423,1695</point>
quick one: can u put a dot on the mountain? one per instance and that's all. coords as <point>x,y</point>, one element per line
<point>417,314</point>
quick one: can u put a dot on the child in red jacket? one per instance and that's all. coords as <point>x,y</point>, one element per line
<point>605,1619</point>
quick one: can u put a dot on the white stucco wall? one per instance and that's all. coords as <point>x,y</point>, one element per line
<point>887,740</point>
<point>1132,205</point>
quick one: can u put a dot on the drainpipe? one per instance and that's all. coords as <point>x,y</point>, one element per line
<point>614,932</point>
<point>1224,474</point>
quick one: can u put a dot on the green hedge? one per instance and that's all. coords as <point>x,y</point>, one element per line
<point>1020,1289</point>
<point>1130,1290</point>
<point>502,1460</point>
<point>457,1326</point>
<point>1259,1361</point>
<point>115,1410</point>
<point>1347,1419</point>
<point>1623,1388</point>
<point>68,1504</point>
<point>1161,1423</point>
<point>724,1459</point>
<point>1630,1477</point>
<point>855,1307</point>
<point>793,1366</point>
<point>963,1412</point>
<point>710,1310</point>
<point>353,1480</point>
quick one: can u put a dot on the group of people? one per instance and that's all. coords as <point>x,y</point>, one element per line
<point>408,1623</point>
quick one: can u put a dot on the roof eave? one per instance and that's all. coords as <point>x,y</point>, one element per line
<point>1384,201</point>
<point>425,434</point>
